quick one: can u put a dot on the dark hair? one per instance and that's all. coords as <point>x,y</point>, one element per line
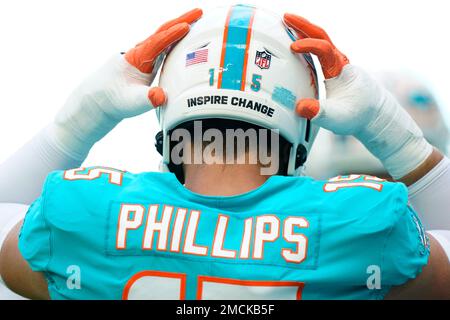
<point>223,125</point>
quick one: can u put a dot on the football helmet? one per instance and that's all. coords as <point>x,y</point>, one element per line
<point>236,63</point>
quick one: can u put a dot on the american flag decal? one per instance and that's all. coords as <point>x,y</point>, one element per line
<point>196,57</point>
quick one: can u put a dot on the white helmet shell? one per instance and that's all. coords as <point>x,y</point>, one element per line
<point>236,63</point>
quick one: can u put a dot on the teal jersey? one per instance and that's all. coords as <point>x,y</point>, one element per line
<point>100,233</point>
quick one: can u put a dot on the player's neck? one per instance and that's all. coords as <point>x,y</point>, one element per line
<point>223,180</point>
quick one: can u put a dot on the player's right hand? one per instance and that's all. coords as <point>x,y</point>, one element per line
<point>119,89</point>
<point>357,105</point>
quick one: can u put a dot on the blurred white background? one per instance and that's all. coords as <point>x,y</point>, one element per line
<point>47,47</point>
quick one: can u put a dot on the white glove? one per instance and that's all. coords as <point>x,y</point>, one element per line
<point>357,105</point>
<point>118,90</point>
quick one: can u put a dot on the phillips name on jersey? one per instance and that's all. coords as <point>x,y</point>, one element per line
<point>145,236</point>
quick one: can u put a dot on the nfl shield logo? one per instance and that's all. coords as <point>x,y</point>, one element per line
<point>262,59</point>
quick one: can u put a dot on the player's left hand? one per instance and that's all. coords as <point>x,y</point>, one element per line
<point>118,90</point>
<point>357,105</point>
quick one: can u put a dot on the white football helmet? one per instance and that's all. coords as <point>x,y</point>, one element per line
<point>236,64</point>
